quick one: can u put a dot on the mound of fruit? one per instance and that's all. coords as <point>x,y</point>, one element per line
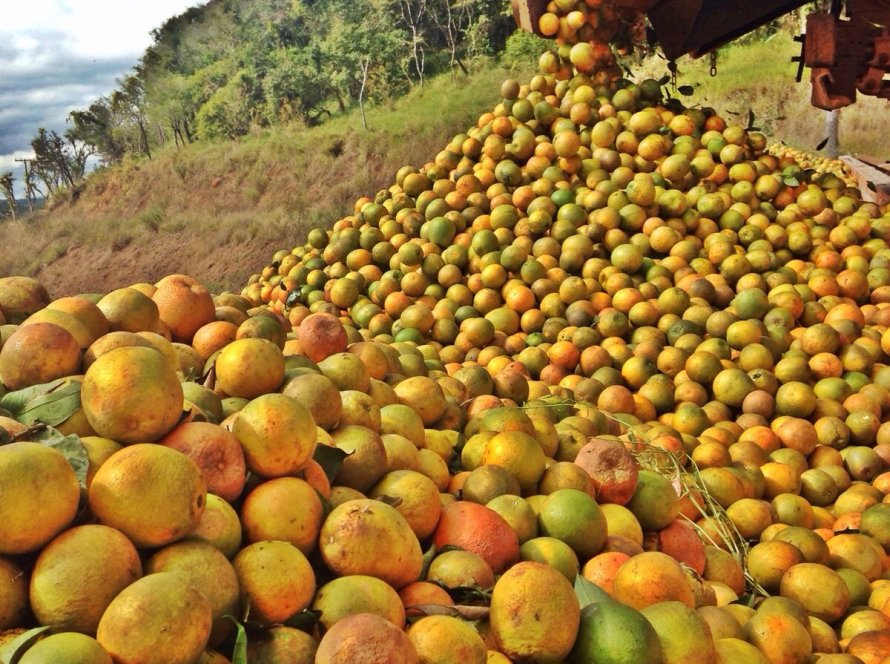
<point>604,382</point>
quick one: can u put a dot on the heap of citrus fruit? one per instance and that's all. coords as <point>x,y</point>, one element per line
<point>603,382</point>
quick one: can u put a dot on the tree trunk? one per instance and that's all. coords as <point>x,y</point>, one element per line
<point>832,120</point>
<point>366,67</point>
<point>143,134</point>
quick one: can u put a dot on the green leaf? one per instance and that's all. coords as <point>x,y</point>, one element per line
<point>15,401</point>
<point>428,556</point>
<point>50,403</point>
<point>304,620</point>
<point>330,459</point>
<point>12,652</point>
<point>588,592</point>
<point>239,652</point>
<point>71,446</point>
<point>791,181</point>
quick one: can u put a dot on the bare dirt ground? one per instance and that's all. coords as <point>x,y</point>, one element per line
<point>88,269</point>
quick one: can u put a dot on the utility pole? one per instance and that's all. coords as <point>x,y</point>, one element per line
<point>29,192</point>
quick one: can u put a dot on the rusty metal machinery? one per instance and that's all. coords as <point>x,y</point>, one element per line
<point>846,49</point>
<point>848,54</point>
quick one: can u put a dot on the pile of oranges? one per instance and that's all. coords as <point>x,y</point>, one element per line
<point>603,382</point>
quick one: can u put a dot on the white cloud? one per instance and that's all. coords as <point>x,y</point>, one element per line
<point>59,55</point>
<point>92,28</point>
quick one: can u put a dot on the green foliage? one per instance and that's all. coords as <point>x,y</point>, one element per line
<point>226,68</point>
<point>524,48</point>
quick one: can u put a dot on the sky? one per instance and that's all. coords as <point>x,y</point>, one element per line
<point>60,55</point>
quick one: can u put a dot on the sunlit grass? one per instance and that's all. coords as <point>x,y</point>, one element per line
<point>760,77</point>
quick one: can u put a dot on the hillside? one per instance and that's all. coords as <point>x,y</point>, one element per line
<point>219,209</point>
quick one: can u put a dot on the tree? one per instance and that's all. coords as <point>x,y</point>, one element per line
<point>95,126</point>
<point>413,15</point>
<point>6,188</point>
<point>127,104</point>
<point>59,161</point>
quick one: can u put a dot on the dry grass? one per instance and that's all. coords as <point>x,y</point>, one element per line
<point>274,185</point>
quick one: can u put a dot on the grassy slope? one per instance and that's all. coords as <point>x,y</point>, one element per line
<point>219,210</point>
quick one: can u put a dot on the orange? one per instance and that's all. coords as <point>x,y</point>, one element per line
<point>82,333</point>
<point>684,635</point>
<point>286,509</point>
<point>276,581</point>
<point>366,462</point>
<point>184,305</point>
<point>518,514</point>
<point>13,595</point>
<point>418,593</point>
<point>602,568</point>
<point>71,647</point>
<point>279,644</point>
<point>218,526</point>
<point>212,337</point>
<point>870,647</point>
<point>819,589</point>
<point>424,395</point>
<point>365,638</point>
<point>553,552</point>
<point>649,578</point>
<point>208,570</point>
<point>131,395</point>
<point>320,397</point>
<point>722,566</point>
<point>321,334</point>
<point>779,636</point>
<point>160,617</point>
<point>730,650</point>
<point>456,568</point>
<point>621,521</point>
<point>129,310</point>
<point>612,467</point>
<point>447,640</point>
<point>32,512</point>
<point>354,533</point>
<point>249,367</point>
<point>153,494</point>
<point>417,499</point>
<point>534,613</point>
<point>358,593</point>
<point>38,353</point>
<point>78,574</point>
<point>655,502</point>
<point>215,451</point>
<point>573,517</point>
<point>277,434</point>
<point>480,530</point>
<point>682,542</point>
<point>520,454</point>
